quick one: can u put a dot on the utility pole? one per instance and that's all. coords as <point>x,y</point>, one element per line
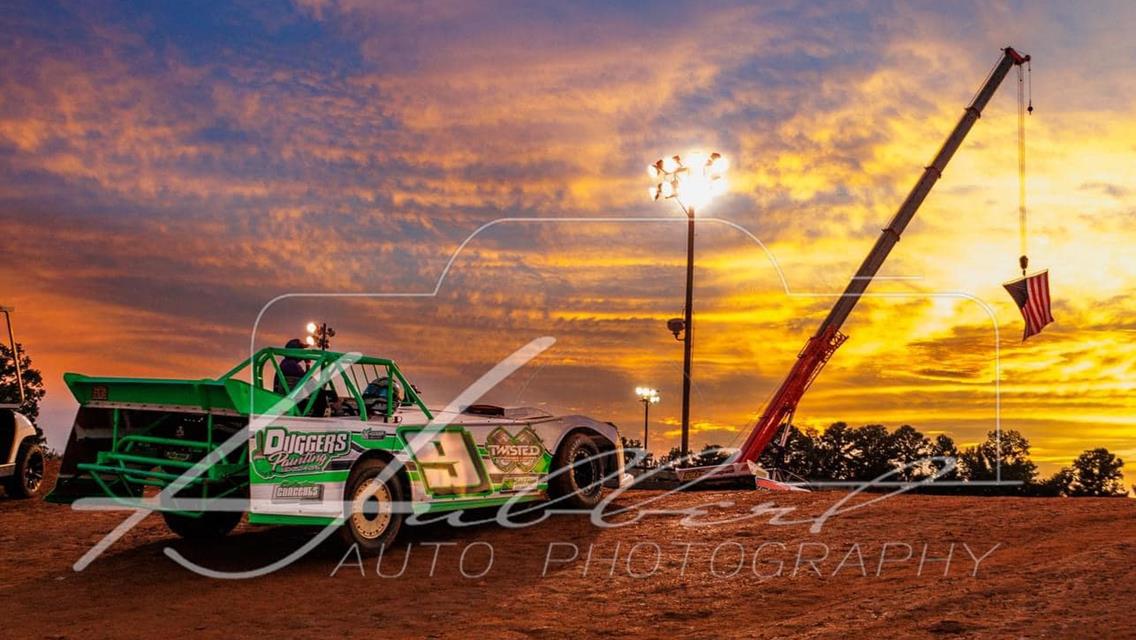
<point>688,334</point>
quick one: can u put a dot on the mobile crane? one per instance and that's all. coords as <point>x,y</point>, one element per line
<point>819,348</point>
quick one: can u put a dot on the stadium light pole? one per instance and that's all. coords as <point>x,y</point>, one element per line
<point>319,335</point>
<point>648,397</point>
<point>692,184</point>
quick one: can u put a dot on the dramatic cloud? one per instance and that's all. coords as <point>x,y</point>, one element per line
<point>167,171</point>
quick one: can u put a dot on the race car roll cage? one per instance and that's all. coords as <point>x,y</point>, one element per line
<point>323,359</point>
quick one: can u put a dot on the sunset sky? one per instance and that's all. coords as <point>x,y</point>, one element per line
<point>167,170</point>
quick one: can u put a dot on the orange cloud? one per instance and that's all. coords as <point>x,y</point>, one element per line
<point>162,194</point>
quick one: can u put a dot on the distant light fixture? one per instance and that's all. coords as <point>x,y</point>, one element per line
<point>319,335</point>
<point>647,394</point>
<point>718,164</point>
<point>648,397</point>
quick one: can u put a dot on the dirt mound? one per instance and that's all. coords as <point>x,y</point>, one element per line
<point>756,565</point>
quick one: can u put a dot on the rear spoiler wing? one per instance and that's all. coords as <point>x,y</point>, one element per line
<point>116,448</point>
<point>226,396</point>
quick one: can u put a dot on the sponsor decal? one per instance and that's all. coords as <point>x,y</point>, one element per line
<point>520,483</point>
<point>287,452</point>
<point>99,392</point>
<point>180,455</point>
<point>373,434</point>
<point>306,492</point>
<point>514,453</point>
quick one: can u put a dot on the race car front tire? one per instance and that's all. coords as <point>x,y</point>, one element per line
<point>577,473</point>
<point>373,522</point>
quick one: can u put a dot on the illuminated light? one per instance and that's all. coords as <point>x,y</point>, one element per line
<point>695,182</point>
<point>647,394</point>
<point>311,341</point>
<point>697,193</point>
<point>697,189</point>
<point>719,187</point>
<point>653,171</point>
<point>312,327</point>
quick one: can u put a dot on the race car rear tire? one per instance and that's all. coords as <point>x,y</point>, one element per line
<point>28,479</point>
<point>372,522</point>
<point>577,473</point>
<point>211,525</point>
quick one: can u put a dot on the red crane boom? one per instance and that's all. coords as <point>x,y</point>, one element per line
<point>828,337</point>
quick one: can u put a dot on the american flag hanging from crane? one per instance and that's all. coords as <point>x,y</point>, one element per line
<point>1032,297</point>
<point>1031,293</point>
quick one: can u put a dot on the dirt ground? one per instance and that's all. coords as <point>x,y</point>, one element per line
<point>1034,568</point>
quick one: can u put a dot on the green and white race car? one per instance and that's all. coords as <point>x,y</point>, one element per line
<point>319,437</point>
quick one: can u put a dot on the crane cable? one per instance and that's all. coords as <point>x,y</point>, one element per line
<point>1023,261</point>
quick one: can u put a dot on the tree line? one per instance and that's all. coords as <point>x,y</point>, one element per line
<point>33,381</point>
<point>842,453</point>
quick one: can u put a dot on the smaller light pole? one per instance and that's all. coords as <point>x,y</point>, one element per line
<point>648,397</point>
<point>319,335</point>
